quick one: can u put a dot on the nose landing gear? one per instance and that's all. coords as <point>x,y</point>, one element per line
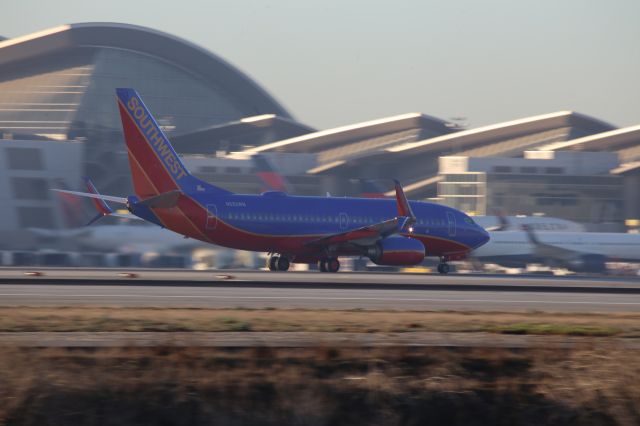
<point>443,267</point>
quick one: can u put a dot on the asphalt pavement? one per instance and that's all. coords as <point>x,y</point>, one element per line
<point>313,290</point>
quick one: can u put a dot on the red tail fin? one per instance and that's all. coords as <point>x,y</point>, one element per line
<point>155,166</point>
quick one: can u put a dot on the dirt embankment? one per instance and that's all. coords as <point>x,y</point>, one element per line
<point>319,386</point>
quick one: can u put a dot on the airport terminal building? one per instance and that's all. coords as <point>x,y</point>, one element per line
<point>58,85</point>
<point>577,186</point>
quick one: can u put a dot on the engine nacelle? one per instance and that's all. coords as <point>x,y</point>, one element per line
<point>396,251</point>
<point>589,263</point>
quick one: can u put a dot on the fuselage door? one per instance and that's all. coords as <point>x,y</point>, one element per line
<point>343,220</point>
<point>212,217</point>
<point>451,222</point>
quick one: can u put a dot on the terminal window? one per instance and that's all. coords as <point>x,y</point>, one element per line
<point>24,158</point>
<point>25,188</point>
<point>35,217</point>
<point>502,169</point>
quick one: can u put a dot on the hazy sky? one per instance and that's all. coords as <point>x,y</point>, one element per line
<point>338,62</point>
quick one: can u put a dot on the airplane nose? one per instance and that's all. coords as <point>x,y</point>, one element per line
<point>483,237</point>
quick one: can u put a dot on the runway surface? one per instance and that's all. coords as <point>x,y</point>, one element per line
<point>231,289</point>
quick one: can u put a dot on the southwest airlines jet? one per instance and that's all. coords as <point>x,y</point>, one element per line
<point>289,228</point>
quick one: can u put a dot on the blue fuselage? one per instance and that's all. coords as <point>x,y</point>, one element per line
<point>277,222</point>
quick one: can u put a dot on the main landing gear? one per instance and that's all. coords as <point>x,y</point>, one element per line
<point>277,262</point>
<point>280,262</point>
<point>443,267</point>
<point>331,264</point>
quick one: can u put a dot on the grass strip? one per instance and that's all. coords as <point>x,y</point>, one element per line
<point>91,319</point>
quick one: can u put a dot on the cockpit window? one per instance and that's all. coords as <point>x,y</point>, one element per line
<point>469,220</point>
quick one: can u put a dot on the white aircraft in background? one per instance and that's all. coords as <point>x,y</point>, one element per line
<point>576,251</point>
<point>537,223</point>
<point>124,238</point>
<point>136,236</point>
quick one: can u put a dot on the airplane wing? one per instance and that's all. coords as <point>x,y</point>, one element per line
<point>369,234</point>
<point>365,235</point>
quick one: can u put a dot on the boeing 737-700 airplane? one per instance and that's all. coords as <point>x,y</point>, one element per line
<point>289,228</point>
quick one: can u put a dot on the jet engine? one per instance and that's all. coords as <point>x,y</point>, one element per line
<point>396,251</point>
<point>589,263</point>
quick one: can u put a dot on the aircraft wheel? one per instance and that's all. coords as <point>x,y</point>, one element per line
<point>443,268</point>
<point>283,263</point>
<point>322,265</point>
<point>272,262</point>
<point>333,265</point>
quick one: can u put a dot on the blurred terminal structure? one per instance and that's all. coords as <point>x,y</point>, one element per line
<point>59,121</point>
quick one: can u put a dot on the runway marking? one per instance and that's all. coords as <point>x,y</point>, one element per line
<point>376,299</point>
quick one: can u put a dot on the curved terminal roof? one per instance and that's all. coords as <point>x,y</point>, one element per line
<point>486,135</point>
<point>236,134</point>
<point>340,136</point>
<point>625,141</point>
<point>632,167</point>
<point>510,138</point>
<point>59,83</point>
<point>187,55</point>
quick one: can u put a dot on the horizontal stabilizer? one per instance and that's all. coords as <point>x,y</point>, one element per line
<point>119,200</point>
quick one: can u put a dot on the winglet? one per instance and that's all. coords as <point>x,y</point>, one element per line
<point>100,205</point>
<point>503,223</point>
<point>404,208</point>
<point>533,239</point>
